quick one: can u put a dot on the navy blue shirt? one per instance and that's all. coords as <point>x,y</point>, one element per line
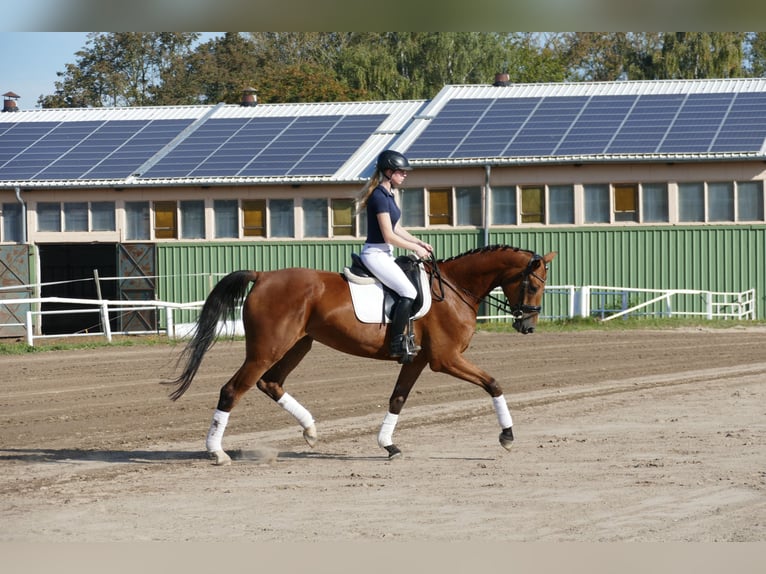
<point>380,201</point>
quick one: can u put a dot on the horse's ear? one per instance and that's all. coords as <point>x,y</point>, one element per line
<point>548,257</point>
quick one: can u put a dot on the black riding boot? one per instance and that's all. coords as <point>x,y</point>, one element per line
<point>400,316</point>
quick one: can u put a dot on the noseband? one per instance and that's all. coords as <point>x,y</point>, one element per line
<point>519,309</point>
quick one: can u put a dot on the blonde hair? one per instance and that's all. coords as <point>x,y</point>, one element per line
<point>364,194</point>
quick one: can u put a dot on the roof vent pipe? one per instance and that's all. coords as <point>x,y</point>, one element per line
<point>249,98</point>
<point>9,103</point>
<point>503,79</point>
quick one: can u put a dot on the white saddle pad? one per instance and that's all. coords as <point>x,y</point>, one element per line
<point>373,305</point>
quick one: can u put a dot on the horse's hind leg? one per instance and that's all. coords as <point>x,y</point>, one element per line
<point>271,383</point>
<point>231,392</point>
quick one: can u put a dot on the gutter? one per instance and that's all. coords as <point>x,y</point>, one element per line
<point>23,214</point>
<point>484,200</point>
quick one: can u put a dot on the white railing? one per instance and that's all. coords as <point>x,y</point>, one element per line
<point>667,303</point>
<point>103,309</point>
<point>559,302</point>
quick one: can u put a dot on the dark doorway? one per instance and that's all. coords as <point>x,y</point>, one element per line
<point>67,271</point>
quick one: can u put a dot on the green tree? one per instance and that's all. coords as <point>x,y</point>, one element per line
<point>119,69</point>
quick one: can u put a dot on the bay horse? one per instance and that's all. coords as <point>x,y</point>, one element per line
<point>286,310</point>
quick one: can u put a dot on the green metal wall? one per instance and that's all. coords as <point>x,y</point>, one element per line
<point>714,258</point>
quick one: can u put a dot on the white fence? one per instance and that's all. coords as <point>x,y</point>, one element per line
<point>560,302</point>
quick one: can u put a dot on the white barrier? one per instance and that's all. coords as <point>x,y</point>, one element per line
<point>573,301</point>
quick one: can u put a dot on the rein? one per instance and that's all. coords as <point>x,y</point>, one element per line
<point>516,310</point>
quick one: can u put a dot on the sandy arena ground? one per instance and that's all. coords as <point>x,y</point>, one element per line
<point>620,436</point>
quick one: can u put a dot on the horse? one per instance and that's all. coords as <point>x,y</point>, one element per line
<point>284,311</point>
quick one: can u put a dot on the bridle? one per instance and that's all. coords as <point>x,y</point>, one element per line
<point>517,310</point>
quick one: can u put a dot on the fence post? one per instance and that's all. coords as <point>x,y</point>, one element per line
<point>105,321</point>
<point>170,327</point>
<point>30,336</point>
<point>709,302</point>
<point>585,301</point>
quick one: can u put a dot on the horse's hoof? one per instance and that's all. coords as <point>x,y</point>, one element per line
<point>506,438</point>
<point>220,458</point>
<point>310,435</point>
<point>393,452</point>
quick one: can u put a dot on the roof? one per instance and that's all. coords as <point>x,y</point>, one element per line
<point>672,120</point>
<point>662,120</point>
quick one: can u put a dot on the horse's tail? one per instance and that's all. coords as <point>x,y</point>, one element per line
<point>222,302</point>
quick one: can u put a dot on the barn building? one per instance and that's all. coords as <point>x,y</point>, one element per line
<point>649,184</point>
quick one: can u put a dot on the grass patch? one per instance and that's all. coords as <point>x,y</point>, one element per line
<point>592,324</point>
<point>17,347</point>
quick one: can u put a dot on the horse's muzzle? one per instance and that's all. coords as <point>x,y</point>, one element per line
<point>522,327</point>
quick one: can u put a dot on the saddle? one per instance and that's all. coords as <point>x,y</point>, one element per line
<point>373,300</point>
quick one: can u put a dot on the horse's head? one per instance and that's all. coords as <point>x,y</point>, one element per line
<point>524,292</point>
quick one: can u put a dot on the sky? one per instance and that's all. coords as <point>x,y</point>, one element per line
<point>31,59</point>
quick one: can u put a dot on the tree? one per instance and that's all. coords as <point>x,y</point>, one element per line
<point>119,69</point>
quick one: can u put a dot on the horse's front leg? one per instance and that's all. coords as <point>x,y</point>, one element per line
<point>461,368</point>
<point>404,383</point>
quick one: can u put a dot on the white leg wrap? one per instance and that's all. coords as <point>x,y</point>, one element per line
<point>503,414</point>
<point>296,409</point>
<point>385,436</point>
<point>217,427</point>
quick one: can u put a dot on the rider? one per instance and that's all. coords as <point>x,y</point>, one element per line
<point>383,234</point>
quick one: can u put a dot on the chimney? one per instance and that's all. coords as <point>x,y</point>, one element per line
<point>249,98</point>
<point>9,103</point>
<point>503,79</point>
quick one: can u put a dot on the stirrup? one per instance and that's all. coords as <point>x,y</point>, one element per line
<point>412,345</point>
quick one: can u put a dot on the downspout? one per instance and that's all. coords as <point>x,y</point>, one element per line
<point>23,215</point>
<point>485,197</point>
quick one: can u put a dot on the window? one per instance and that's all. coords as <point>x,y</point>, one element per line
<point>102,216</point>
<point>532,205</point>
<point>504,205</point>
<point>625,202</point>
<point>596,203</point>
<point>254,218</point>
<point>76,216</point>
<point>342,217</point>
<point>439,206</point>
<point>281,218</point>
<point>48,216</point>
<point>749,201</point>
<point>315,217</point>
<point>413,210</point>
<point>226,217</point>
<point>720,201</point>
<point>654,202</point>
<point>193,219</point>
<point>691,202</point>
<point>165,220</point>
<point>136,220</point>
<point>468,201</point>
<point>561,202</point>
<point>12,222</point>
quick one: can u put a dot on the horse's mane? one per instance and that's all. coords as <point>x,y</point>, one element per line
<point>486,249</point>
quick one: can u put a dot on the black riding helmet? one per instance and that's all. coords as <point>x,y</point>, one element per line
<point>392,160</point>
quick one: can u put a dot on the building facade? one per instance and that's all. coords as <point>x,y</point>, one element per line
<point>636,184</point>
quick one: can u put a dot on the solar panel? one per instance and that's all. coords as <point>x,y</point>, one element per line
<point>697,123</point>
<point>744,127</point>
<point>596,125</point>
<point>492,132</point>
<point>268,146</point>
<point>447,130</point>
<point>546,126</point>
<point>646,124</point>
